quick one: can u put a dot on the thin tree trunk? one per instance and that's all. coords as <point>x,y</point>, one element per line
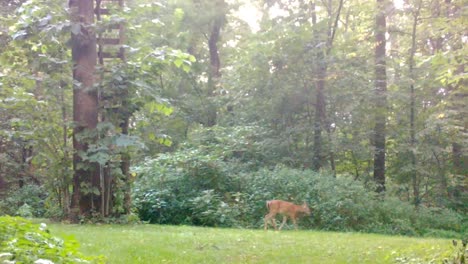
<point>64,187</point>
<point>356,165</point>
<point>414,171</point>
<point>321,121</point>
<point>380,98</point>
<point>125,164</point>
<point>215,62</point>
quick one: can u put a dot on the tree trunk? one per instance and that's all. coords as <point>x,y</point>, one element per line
<point>215,62</point>
<point>414,171</point>
<point>65,186</point>
<point>125,165</point>
<point>85,108</point>
<point>320,104</point>
<point>380,97</point>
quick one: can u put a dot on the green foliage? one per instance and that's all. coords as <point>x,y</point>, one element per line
<point>166,193</point>
<point>21,241</point>
<point>24,211</point>
<point>456,255</point>
<point>209,182</point>
<point>168,189</point>
<point>264,104</point>
<point>209,209</point>
<point>35,117</point>
<point>27,201</point>
<point>460,254</point>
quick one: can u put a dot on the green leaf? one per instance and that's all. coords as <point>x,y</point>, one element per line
<point>179,14</point>
<point>99,157</point>
<point>192,58</point>
<point>152,136</point>
<point>165,141</point>
<point>186,68</point>
<point>164,109</point>
<point>178,62</point>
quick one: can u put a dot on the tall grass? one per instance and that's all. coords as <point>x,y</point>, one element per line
<point>183,244</point>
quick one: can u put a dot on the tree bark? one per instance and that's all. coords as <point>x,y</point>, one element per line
<point>215,62</point>
<point>125,164</point>
<point>85,107</point>
<point>321,121</point>
<point>414,171</point>
<point>380,97</point>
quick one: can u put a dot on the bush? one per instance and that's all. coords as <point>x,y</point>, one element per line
<point>27,201</point>
<point>168,191</point>
<point>166,195</point>
<point>160,194</point>
<point>21,241</point>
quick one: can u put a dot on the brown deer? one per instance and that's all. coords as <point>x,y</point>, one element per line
<point>286,209</point>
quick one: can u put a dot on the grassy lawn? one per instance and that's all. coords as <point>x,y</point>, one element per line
<point>182,244</point>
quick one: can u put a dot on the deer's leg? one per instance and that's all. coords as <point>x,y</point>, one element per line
<point>285,218</point>
<point>294,222</point>
<point>268,218</point>
<point>273,221</point>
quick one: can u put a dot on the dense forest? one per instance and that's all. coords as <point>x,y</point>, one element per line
<point>198,111</point>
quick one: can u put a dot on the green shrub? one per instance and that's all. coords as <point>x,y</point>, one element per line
<point>25,211</point>
<point>160,194</point>
<point>21,241</point>
<point>30,198</point>
<point>181,189</point>
<point>439,218</point>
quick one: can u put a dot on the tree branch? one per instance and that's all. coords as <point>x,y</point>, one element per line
<point>335,26</point>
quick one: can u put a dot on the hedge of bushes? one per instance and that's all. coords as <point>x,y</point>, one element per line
<point>211,192</point>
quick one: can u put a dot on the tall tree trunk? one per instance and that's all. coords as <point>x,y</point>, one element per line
<point>459,150</point>
<point>85,107</point>
<point>380,97</point>
<point>64,198</point>
<point>321,121</point>
<point>125,160</point>
<point>215,62</point>
<point>414,171</point>
<point>319,115</point>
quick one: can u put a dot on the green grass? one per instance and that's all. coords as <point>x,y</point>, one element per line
<point>182,244</point>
